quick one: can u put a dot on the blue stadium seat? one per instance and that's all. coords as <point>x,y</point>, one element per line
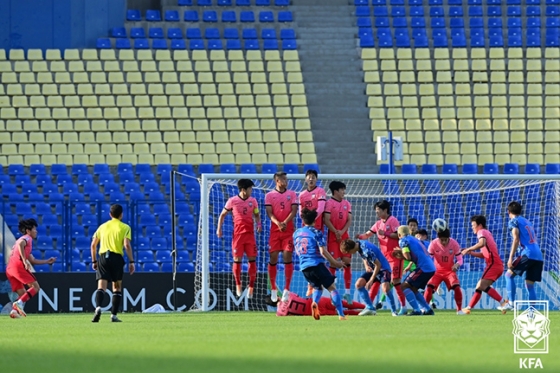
<point>552,168</point>
<point>514,23</point>
<point>150,267</point>
<point>385,42</point>
<point>159,44</point>
<point>457,23</point>
<point>490,168</point>
<point>403,41</point>
<point>247,16</point>
<point>440,42</point>
<point>252,45</point>
<point>68,188</point>
<point>429,169</point>
<point>266,16</point>
<point>172,16</point>
<point>187,267</point>
<point>215,45</point>
<point>137,33</point>
<point>249,33</point>
<point>212,33</point>
<point>268,33</point>
<point>534,41</point>
<point>194,33</point>
<point>118,32</point>
<point>533,11</point>
<point>141,44</point>
<point>16,169</point>
<point>153,15</point>
<point>190,16</point>
<point>163,256</point>
<point>281,2</point>
<point>367,42</point>
<point>196,44</point>
<point>155,33</point>
<point>228,168</point>
<point>262,2</point>
<point>133,15</point>
<point>224,2</point>
<point>311,166</point>
<point>514,11</point>
<point>273,44</point>
<point>248,168</point>
<point>436,11</point>
<point>243,2</point>
<point>35,169</point>
<point>269,168</point>
<point>458,42</point>
<point>533,22</point>
<point>511,168</point>
<point>470,168</point>
<point>363,11</point>
<point>206,168</point>
<point>421,42</point>
<point>532,168</point>
<point>384,169</point>
<point>285,16</point>
<point>409,169</point>
<point>290,168</point>
<point>123,44</point>
<point>477,42</point>
<point>552,11</point>
<point>57,267</point>
<point>22,179</point>
<point>231,33</point>
<point>210,16</point>
<point>449,168</point>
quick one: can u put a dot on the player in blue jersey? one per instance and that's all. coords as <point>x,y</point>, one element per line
<point>412,249</point>
<point>530,260</point>
<point>378,273</point>
<point>310,246</point>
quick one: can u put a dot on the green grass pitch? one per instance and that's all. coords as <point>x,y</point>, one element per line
<point>261,342</point>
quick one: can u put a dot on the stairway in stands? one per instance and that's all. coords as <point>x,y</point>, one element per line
<point>334,84</point>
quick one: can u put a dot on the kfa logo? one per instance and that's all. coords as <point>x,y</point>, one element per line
<point>531,328</point>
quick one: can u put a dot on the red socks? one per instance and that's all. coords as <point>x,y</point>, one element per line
<point>400,294</point>
<point>252,273</point>
<point>475,298</point>
<point>237,273</point>
<point>347,276</point>
<point>374,290</point>
<point>428,293</point>
<point>272,271</point>
<point>30,293</point>
<point>494,294</point>
<point>458,297</point>
<point>289,272</point>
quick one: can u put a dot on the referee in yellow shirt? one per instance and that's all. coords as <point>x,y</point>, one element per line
<point>113,236</point>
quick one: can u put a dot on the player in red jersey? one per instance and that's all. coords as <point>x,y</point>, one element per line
<point>18,271</point>
<point>296,306</point>
<point>447,256</point>
<point>244,209</point>
<point>386,230</point>
<point>337,218</point>
<point>313,198</point>
<point>494,265</point>
<point>281,207</point>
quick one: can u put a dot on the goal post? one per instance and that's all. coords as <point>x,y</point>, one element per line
<point>454,198</point>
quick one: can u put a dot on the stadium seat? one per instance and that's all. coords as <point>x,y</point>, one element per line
<point>449,168</point>
<point>532,168</point>
<point>552,168</point>
<point>490,168</point>
<point>470,168</point>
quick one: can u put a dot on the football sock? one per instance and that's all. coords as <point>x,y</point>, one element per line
<point>475,298</point>
<point>347,277</point>
<point>409,294</point>
<point>510,286</point>
<point>391,300</point>
<point>337,300</point>
<point>30,293</point>
<point>252,273</point>
<point>384,296</point>
<point>422,302</point>
<point>237,273</point>
<point>531,290</point>
<point>400,294</point>
<point>99,295</point>
<point>494,294</point>
<point>288,272</point>
<point>117,297</point>
<point>272,271</point>
<point>374,290</point>
<point>317,293</point>
<point>458,294</point>
<point>429,292</point>
<point>365,297</point>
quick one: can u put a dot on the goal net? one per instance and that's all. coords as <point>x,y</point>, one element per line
<point>454,198</point>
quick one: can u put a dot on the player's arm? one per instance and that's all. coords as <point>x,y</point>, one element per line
<point>293,213</point>
<point>257,219</point>
<point>365,236</point>
<point>272,218</point>
<point>21,252</point>
<point>406,253</point>
<point>348,222</point>
<point>36,261</point>
<point>479,245</point>
<point>514,246</point>
<point>328,222</point>
<point>367,267</point>
<point>376,269</point>
<point>94,244</point>
<point>128,248</point>
<point>333,262</point>
<point>221,222</point>
<point>321,206</point>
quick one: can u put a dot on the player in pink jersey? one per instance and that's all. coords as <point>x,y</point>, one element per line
<point>297,306</point>
<point>447,256</point>
<point>18,271</point>
<point>281,207</point>
<point>386,230</point>
<point>337,218</point>
<point>244,209</point>
<point>494,265</point>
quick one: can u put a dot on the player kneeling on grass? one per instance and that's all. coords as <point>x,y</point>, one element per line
<point>412,249</point>
<point>310,246</point>
<point>18,271</point>
<point>447,258</point>
<point>297,306</point>
<point>378,273</point>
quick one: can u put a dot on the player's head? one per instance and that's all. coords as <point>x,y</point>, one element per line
<point>383,209</point>
<point>478,222</point>
<point>444,236</point>
<point>28,226</point>
<point>413,225</point>
<point>308,216</point>
<point>245,186</point>
<point>514,209</point>
<point>116,211</point>
<point>403,231</point>
<point>421,234</point>
<point>349,246</point>
<point>281,180</point>
<point>311,178</point>
<point>338,189</point>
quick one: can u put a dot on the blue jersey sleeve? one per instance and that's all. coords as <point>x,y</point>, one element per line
<point>513,223</point>
<point>320,238</point>
<point>403,242</point>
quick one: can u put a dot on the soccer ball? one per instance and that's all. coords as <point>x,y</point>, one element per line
<point>439,225</point>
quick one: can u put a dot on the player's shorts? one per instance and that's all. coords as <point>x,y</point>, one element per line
<point>493,272</point>
<point>448,277</point>
<point>281,241</point>
<point>396,268</point>
<point>531,267</point>
<point>383,276</point>
<point>244,244</point>
<point>419,279</point>
<point>110,267</point>
<point>19,277</point>
<point>319,276</point>
<point>334,249</point>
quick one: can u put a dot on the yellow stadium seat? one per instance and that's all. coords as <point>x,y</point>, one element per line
<point>533,124</point>
<point>552,158</point>
<point>429,125</point>
<point>552,124</point>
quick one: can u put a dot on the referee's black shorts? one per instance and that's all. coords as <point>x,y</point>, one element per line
<point>110,267</point>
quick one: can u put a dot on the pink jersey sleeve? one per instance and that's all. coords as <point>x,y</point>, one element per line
<point>375,226</point>
<point>328,206</point>
<point>229,204</point>
<point>255,204</point>
<point>393,224</point>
